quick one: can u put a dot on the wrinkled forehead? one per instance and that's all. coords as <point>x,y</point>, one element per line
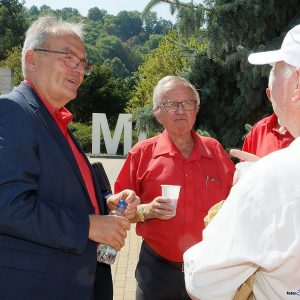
<point>66,41</point>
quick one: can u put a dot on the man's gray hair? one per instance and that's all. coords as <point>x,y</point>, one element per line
<point>164,81</point>
<point>38,33</point>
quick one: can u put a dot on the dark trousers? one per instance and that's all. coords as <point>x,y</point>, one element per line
<point>157,279</point>
<point>103,287</point>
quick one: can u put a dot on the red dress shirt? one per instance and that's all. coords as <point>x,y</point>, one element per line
<point>62,118</point>
<point>205,178</point>
<point>265,137</point>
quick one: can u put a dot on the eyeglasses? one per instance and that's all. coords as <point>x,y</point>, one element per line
<point>174,106</point>
<point>71,60</point>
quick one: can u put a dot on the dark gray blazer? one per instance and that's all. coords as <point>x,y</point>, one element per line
<point>44,206</point>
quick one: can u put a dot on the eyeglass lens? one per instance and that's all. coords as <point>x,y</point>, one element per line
<point>174,106</point>
<point>73,61</point>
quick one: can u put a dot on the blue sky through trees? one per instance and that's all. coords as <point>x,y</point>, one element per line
<point>113,7</point>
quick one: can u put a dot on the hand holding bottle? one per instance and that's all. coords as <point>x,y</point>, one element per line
<point>108,229</point>
<point>131,200</point>
<point>106,253</point>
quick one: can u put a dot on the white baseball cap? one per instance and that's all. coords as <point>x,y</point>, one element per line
<point>289,51</point>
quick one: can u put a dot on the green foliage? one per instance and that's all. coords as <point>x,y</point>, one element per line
<point>150,44</point>
<point>83,134</point>
<point>12,25</point>
<point>99,93</point>
<point>118,69</point>
<point>167,59</point>
<point>110,47</point>
<point>127,24</point>
<point>97,15</point>
<point>13,61</point>
<point>154,26</point>
<point>145,121</point>
<point>203,132</point>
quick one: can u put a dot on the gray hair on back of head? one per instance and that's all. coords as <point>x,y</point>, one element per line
<point>38,33</point>
<point>157,91</point>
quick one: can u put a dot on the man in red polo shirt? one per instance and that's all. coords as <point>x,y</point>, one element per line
<point>267,135</point>
<point>178,156</point>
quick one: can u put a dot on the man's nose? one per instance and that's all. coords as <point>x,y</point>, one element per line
<point>180,107</point>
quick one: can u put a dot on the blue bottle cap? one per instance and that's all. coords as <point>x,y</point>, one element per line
<point>122,204</point>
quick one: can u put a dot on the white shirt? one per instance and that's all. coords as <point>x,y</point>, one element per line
<point>258,226</point>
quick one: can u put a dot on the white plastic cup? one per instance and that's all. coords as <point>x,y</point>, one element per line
<point>240,169</point>
<point>171,192</point>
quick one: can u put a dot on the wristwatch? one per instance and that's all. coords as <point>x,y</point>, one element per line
<point>140,212</point>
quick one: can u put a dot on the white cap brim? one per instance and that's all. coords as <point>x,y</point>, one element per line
<point>268,57</point>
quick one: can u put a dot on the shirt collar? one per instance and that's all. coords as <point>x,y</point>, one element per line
<point>61,116</point>
<point>166,146</point>
<point>272,122</point>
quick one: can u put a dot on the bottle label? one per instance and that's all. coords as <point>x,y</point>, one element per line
<point>106,254</point>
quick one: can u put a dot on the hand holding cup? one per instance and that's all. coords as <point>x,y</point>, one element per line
<point>172,193</point>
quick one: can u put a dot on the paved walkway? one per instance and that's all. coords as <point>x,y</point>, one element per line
<point>124,267</point>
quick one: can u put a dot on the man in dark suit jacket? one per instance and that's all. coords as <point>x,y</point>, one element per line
<point>51,206</point>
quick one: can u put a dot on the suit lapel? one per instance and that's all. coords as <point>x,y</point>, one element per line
<point>43,114</point>
<point>99,195</point>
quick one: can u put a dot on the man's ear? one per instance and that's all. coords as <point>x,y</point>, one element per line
<point>296,94</point>
<point>156,113</point>
<point>268,93</point>
<point>30,60</point>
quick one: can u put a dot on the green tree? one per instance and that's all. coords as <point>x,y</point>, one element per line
<point>118,69</point>
<point>127,24</point>
<point>97,15</point>
<point>167,59</point>
<point>46,10</point>
<point>110,47</point>
<point>152,25</point>
<point>100,93</point>
<point>150,44</point>
<point>68,13</point>
<point>12,25</point>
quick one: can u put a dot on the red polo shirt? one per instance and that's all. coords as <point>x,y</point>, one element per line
<point>62,118</point>
<point>265,137</point>
<point>205,178</point>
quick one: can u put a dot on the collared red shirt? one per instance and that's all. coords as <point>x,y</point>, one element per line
<point>205,178</point>
<point>62,118</point>
<point>265,137</point>
<point>257,228</point>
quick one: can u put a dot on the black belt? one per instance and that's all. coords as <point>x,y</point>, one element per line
<point>177,265</point>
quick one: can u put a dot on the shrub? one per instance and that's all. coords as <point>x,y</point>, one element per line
<point>83,134</point>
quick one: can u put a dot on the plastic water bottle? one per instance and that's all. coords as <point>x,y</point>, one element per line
<point>107,254</point>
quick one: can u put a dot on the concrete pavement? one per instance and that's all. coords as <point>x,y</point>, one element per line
<point>124,267</point>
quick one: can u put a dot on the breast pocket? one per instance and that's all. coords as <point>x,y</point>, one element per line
<point>214,191</point>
